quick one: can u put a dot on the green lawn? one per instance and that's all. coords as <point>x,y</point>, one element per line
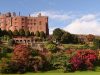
<point>75,73</point>
<point>72,45</point>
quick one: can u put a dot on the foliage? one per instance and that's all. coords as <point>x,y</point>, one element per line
<point>4,32</point>
<point>52,47</point>
<point>66,38</point>
<point>84,60</point>
<point>37,34</point>
<point>32,33</point>
<point>21,54</point>
<point>4,51</point>
<point>0,32</point>
<point>4,65</point>
<point>15,32</point>
<point>21,32</point>
<point>59,59</point>
<point>10,33</point>
<point>96,43</point>
<point>11,42</point>
<point>42,35</point>
<point>68,67</point>
<point>90,37</point>
<point>27,33</point>
<point>34,52</point>
<point>57,33</point>
<point>21,57</point>
<point>37,64</point>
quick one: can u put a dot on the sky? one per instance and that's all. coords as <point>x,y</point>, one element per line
<point>74,16</point>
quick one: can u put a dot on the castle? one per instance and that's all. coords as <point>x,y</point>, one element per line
<point>11,21</point>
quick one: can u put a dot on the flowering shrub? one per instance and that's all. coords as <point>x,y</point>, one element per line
<point>83,60</point>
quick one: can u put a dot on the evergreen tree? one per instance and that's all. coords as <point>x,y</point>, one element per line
<point>66,38</point>
<point>1,33</point>
<point>57,33</point>
<point>37,34</point>
<point>42,35</point>
<point>21,32</point>
<point>32,33</point>
<point>96,43</point>
<point>10,33</point>
<point>16,33</point>
<point>27,33</point>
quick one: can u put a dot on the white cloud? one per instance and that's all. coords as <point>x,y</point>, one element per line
<point>88,24</point>
<point>51,30</point>
<point>53,15</point>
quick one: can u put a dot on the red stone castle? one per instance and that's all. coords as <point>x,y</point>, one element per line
<point>11,21</point>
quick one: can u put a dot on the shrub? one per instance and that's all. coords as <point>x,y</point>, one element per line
<point>58,60</point>
<point>4,66</point>
<point>68,67</point>
<point>11,42</point>
<point>84,60</point>
<point>21,57</point>
<point>52,47</point>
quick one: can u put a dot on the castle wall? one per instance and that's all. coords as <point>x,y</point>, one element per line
<point>33,24</point>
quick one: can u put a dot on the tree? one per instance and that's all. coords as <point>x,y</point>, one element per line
<point>27,33</point>
<point>21,54</point>
<point>96,43</point>
<point>16,33</point>
<point>22,32</point>
<point>32,33</point>
<point>90,37</point>
<point>57,33</point>
<point>75,39</point>
<point>37,34</point>
<point>1,33</point>
<point>4,32</point>
<point>66,38</point>
<point>11,42</point>
<point>10,33</point>
<point>20,58</point>
<point>42,35</point>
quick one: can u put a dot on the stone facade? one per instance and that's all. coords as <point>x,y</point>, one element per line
<point>11,21</point>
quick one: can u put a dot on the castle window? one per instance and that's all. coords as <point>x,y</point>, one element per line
<point>15,18</point>
<point>22,18</point>
<point>25,41</point>
<point>28,40</point>
<point>22,22</point>
<point>34,20</point>
<point>20,40</point>
<point>22,26</point>
<point>17,40</point>
<point>34,23</point>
